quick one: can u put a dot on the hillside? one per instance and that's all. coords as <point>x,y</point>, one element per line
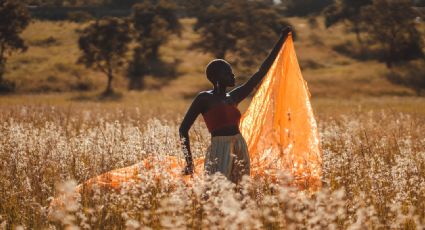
<point>50,63</point>
<point>48,74</point>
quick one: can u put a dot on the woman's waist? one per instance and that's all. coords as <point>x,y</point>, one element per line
<point>226,131</point>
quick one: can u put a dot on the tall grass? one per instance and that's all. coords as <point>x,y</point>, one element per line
<point>373,174</point>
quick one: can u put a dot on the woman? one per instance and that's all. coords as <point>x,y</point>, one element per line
<point>228,152</point>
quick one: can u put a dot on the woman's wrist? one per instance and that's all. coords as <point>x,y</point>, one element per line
<point>285,31</point>
<point>189,161</point>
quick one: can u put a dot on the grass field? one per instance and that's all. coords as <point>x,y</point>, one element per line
<point>373,173</point>
<point>54,136</point>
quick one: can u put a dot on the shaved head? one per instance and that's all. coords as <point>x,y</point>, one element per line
<point>214,68</point>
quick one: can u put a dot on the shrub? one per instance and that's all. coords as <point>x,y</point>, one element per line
<point>411,75</point>
<point>7,86</point>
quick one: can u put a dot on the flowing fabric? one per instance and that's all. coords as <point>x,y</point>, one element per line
<point>279,125</point>
<point>279,128</point>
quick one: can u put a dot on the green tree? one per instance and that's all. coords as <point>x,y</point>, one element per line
<point>196,8</point>
<point>261,26</point>
<point>154,22</point>
<point>246,29</point>
<point>220,27</point>
<point>391,25</point>
<point>305,7</point>
<point>348,11</point>
<point>104,44</point>
<point>14,18</point>
<point>122,3</point>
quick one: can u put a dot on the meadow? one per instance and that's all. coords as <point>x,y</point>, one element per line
<point>373,174</point>
<point>54,136</point>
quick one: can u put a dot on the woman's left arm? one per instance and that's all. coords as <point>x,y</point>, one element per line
<point>194,110</point>
<point>241,92</point>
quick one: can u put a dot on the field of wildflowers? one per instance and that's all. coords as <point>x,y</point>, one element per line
<point>373,175</point>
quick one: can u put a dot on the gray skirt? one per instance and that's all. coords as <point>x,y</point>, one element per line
<point>228,155</point>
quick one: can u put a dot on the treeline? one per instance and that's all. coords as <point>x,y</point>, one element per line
<point>244,29</point>
<point>386,30</point>
<point>239,29</point>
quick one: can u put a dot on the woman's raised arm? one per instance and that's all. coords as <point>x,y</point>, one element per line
<point>241,92</point>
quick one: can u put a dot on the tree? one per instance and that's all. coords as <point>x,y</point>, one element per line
<point>121,3</point>
<point>104,44</point>
<point>246,29</point>
<point>154,22</point>
<point>14,18</point>
<point>262,25</point>
<point>220,27</point>
<point>411,75</point>
<point>305,7</point>
<point>347,11</point>
<point>195,8</point>
<point>394,29</point>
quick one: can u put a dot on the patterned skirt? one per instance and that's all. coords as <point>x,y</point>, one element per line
<point>228,155</point>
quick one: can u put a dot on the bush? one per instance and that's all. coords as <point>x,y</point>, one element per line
<point>7,86</point>
<point>83,86</point>
<point>354,50</point>
<point>411,75</point>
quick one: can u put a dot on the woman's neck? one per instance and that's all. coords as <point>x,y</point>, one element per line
<point>219,91</point>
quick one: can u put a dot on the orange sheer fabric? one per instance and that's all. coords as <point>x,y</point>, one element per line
<point>279,125</point>
<point>279,128</point>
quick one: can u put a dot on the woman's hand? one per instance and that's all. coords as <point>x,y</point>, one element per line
<point>286,30</point>
<point>188,170</point>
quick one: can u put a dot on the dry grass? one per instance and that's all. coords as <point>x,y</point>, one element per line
<point>50,62</point>
<point>373,173</point>
<point>373,144</point>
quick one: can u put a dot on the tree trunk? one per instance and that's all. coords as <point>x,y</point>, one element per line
<point>137,70</point>
<point>220,54</point>
<point>155,52</point>
<point>390,57</point>
<point>2,65</point>
<point>2,69</point>
<point>359,38</point>
<point>136,82</point>
<point>109,86</point>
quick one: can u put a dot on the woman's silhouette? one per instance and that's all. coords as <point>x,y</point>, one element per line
<point>228,152</point>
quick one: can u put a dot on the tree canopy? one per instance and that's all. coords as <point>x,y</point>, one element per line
<point>305,7</point>
<point>246,29</point>
<point>393,29</point>
<point>104,44</point>
<point>14,18</point>
<point>154,22</point>
<point>346,11</point>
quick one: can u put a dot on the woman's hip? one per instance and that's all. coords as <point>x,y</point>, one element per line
<point>228,155</point>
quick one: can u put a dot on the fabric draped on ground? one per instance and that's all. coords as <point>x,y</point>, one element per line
<point>278,126</point>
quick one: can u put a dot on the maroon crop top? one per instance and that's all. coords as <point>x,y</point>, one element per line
<point>221,115</point>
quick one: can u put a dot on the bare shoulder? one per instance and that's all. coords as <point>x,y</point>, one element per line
<point>203,99</point>
<point>204,95</point>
